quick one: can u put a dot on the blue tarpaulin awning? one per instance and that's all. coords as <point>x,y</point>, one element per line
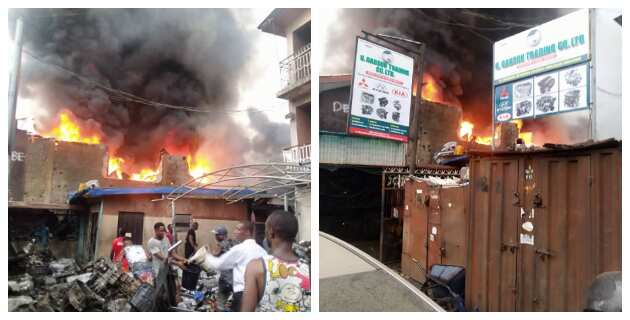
<point>94,193</point>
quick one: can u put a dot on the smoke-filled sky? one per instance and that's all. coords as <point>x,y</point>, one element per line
<point>209,59</point>
<point>459,45</point>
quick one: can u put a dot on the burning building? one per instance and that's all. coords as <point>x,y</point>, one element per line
<point>67,188</point>
<point>99,76</point>
<point>111,106</point>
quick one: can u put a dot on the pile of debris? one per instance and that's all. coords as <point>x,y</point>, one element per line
<point>50,284</point>
<point>46,284</point>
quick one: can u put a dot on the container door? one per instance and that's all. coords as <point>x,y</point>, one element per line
<point>453,221</point>
<point>492,257</point>
<point>556,267</point>
<point>414,252</point>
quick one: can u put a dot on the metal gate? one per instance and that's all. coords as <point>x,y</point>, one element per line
<point>392,208</point>
<point>434,227</point>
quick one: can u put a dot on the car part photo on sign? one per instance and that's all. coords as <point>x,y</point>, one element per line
<point>523,109</point>
<point>523,89</point>
<point>546,84</point>
<point>572,99</point>
<point>574,88</point>
<point>545,104</point>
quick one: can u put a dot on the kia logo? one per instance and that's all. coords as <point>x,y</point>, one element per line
<point>399,93</point>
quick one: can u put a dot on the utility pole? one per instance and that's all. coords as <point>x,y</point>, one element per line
<point>416,127</point>
<point>14,78</point>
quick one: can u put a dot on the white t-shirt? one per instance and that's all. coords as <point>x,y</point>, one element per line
<point>158,246</point>
<point>237,259</point>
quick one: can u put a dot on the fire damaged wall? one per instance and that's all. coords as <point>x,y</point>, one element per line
<point>48,169</point>
<point>437,125</point>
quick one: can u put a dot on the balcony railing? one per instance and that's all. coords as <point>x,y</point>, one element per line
<point>297,154</point>
<point>296,68</point>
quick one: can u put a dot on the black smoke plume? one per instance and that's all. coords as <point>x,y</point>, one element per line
<point>182,57</point>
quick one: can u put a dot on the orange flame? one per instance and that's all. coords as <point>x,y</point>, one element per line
<point>466,130</point>
<point>198,166</point>
<point>527,137</point>
<point>431,91</point>
<point>69,130</point>
<point>145,174</point>
<point>466,133</point>
<point>115,166</point>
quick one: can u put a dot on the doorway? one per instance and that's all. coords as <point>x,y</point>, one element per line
<point>132,222</point>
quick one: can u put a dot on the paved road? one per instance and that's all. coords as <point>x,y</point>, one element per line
<point>351,280</point>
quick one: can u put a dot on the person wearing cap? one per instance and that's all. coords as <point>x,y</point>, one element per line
<point>235,259</point>
<point>225,280</point>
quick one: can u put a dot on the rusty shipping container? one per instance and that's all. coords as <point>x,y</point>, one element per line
<point>542,225</point>
<point>434,227</point>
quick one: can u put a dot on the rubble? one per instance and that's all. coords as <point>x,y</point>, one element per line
<point>21,285</point>
<point>84,277</point>
<point>81,298</point>
<point>50,284</point>
<point>143,298</point>
<point>19,302</point>
<point>63,267</point>
<point>118,305</point>
<point>447,152</point>
<point>57,285</point>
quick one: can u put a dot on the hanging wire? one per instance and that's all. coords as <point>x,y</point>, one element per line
<point>122,96</point>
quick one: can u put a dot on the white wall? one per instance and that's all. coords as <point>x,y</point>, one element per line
<point>607,71</point>
<point>303,213</point>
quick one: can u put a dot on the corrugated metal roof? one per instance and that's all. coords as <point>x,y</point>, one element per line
<point>351,150</point>
<point>551,148</point>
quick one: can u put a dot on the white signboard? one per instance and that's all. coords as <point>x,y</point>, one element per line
<point>381,92</point>
<point>561,42</point>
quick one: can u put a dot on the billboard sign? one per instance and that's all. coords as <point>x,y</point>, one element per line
<point>544,70</point>
<point>553,92</point>
<point>555,44</point>
<point>380,104</point>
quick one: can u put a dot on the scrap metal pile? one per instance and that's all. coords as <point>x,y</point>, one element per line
<point>45,284</point>
<point>49,284</point>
